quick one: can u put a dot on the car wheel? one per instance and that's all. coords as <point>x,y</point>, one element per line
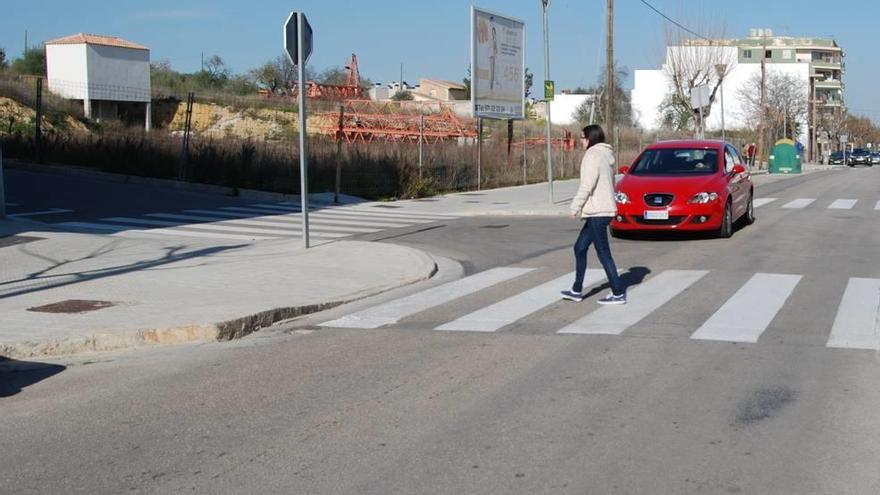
<point>749,217</point>
<point>726,228</point>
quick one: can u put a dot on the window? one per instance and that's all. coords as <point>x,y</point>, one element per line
<point>786,54</point>
<point>768,53</point>
<point>676,161</point>
<point>729,161</point>
<point>737,158</point>
<point>747,54</point>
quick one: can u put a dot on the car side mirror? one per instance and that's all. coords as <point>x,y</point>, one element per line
<point>624,169</point>
<point>738,169</point>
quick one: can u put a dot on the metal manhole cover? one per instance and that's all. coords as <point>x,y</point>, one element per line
<point>72,306</point>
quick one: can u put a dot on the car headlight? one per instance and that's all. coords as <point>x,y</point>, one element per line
<point>703,198</point>
<point>621,198</point>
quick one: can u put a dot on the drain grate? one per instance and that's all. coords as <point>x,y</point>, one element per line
<point>72,306</point>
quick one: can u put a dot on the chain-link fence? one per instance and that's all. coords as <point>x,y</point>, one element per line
<point>251,142</point>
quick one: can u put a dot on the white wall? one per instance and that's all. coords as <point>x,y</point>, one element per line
<point>118,74</point>
<point>652,87</point>
<point>66,70</point>
<point>563,106</point>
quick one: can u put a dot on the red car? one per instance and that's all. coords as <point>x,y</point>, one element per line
<point>685,185</point>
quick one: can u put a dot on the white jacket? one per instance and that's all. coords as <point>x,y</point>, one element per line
<point>595,196</point>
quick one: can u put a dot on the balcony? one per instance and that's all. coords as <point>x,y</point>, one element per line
<point>826,65</point>
<point>829,84</point>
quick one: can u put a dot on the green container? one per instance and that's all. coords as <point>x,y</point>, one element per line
<point>784,159</point>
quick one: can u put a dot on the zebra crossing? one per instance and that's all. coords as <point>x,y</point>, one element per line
<point>802,203</point>
<point>261,221</point>
<point>742,317</point>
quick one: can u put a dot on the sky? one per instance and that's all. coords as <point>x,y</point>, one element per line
<point>431,38</point>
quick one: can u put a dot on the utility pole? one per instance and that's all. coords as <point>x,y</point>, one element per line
<point>814,155</point>
<point>760,151</point>
<point>722,70</point>
<point>400,84</point>
<point>546,5</point>
<point>25,42</point>
<point>609,69</point>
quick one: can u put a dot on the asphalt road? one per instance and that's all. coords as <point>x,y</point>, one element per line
<point>305,408</point>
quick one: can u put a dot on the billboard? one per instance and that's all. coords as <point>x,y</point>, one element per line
<point>497,65</point>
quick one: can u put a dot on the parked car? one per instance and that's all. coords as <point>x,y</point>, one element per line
<point>875,158</point>
<point>836,158</point>
<point>699,185</point>
<point>860,156</point>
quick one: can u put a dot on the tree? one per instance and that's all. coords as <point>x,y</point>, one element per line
<point>690,63</point>
<point>786,103</point>
<point>336,76</point>
<point>32,63</point>
<point>529,79</point>
<point>277,75</point>
<point>622,106</point>
<point>3,63</point>
<point>403,96</point>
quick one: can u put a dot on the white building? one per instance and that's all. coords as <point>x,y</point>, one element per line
<point>815,61</point>
<point>109,75</point>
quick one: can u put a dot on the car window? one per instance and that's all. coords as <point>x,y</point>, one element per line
<point>737,158</point>
<point>729,161</point>
<point>676,161</point>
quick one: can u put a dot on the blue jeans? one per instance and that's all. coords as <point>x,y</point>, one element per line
<point>595,231</point>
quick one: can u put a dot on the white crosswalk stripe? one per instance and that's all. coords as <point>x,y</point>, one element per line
<point>742,317</point>
<point>759,202</point>
<point>122,230</point>
<point>877,206</point>
<point>799,203</point>
<point>394,311</point>
<point>210,227</point>
<point>644,300</point>
<point>498,315</point>
<point>842,204</point>
<point>262,221</point>
<point>745,316</point>
<point>857,324</point>
<point>288,226</point>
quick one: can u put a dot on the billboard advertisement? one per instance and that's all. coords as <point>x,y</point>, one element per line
<point>497,65</point>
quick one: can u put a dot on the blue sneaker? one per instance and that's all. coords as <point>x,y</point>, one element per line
<point>571,295</point>
<point>613,299</point>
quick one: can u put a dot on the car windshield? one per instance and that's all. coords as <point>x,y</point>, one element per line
<point>859,151</point>
<point>837,154</point>
<point>676,161</point>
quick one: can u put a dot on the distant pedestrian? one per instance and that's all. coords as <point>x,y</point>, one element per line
<point>751,150</point>
<point>594,203</point>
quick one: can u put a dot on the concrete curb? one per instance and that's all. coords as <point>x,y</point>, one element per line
<point>190,333</point>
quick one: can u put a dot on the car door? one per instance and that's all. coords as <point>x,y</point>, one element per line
<point>736,183</point>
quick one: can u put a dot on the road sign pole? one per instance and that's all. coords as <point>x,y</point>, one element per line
<point>2,186</point>
<point>303,165</point>
<point>546,4</point>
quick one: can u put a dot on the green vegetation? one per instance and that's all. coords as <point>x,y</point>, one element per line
<point>403,96</point>
<point>32,63</point>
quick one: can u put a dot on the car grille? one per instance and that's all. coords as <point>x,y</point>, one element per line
<point>674,220</point>
<point>658,199</point>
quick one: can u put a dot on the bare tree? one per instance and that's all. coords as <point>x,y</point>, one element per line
<point>786,104</point>
<point>692,62</point>
<point>277,75</point>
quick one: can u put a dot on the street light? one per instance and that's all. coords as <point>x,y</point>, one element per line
<point>546,5</point>
<point>722,71</point>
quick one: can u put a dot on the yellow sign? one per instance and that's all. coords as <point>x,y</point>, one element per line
<point>549,90</point>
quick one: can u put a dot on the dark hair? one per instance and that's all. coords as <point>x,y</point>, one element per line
<point>594,135</point>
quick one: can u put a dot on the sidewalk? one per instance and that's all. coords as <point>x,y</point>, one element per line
<point>171,291</point>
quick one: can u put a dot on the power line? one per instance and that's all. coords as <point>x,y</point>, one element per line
<point>673,21</point>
